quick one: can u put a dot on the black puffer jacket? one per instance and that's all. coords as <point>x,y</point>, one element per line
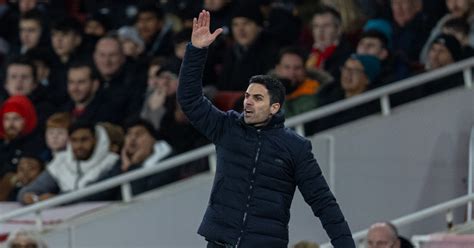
<point>257,172</point>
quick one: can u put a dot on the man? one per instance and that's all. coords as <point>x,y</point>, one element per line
<point>300,89</point>
<point>329,49</point>
<point>119,83</point>
<point>252,53</point>
<point>382,235</point>
<point>86,157</point>
<point>259,162</point>
<point>31,30</point>
<point>86,103</point>
<point>18,122</point>
<point>142,149</point>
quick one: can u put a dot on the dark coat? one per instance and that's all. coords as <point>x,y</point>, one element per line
<point>257,172</point>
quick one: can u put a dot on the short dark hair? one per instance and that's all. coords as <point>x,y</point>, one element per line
<point>94,74</point>
<point>40,54</point>
<point>23,60</point>
<point>150,8</point>
<point>82,125</point>
<point>292,50</point>
<point>35,156</point>
<point>275,88</point>
<point>458,24</point>
<point>142,123</point>
<point>33,15</point>
<point>67,25</point>
<point>372,33</point>
<point>325,9</point>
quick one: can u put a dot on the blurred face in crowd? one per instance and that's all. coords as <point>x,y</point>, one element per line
<point>257,108</point>
<point>26,5</point>
<point>20,80</point>
<point>458,7</point>
<point>94,28</point>
<point>462,37</point>
<point>108,57</point>
<point>80,86</point>
<point>215,5</point>
<point>439,56</point>
<point>382,236</point>
<point>179,49</point>
<point>153,76</point>
<point>245,31</point>
<point>148,25</point>
<point>30,33</point>
<point>56,138</point>
<point>353,78</point>
<point>42,70</point>
<point>64,43</point>
<point>82,143</point>
<point>404,11</point>
<point>138,139</point>
<point>28,169</point>
<point>130,48</point>
<point>326,30</point>
<point>13,124</point>
<point>372,46</point>
<point>22,241</point>
<point>291,66</point>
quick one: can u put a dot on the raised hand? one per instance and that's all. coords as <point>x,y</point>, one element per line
<point>201,36</point>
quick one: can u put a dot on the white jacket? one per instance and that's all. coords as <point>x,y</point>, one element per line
<point>71,174</point>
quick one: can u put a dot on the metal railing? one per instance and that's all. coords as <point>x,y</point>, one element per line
<point>297,121</point>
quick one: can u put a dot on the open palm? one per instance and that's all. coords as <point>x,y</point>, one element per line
<point>201,36</point>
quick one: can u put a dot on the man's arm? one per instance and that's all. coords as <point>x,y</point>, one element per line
<point>43,185</point>
<point>317,194</point>
<point>200,112</point>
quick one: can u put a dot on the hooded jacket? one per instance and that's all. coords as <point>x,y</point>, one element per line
<point>257,172</point>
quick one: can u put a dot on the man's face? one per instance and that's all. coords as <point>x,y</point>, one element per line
<point>64,43</point>
<point>80,86</point>
<point>108,57</point>
<point>94,28</point>
<point>26,5</point>
<point>20,80</point>
<point>148,25</point>
<point>458,7</point>
<point>82,143</point>
<point>381,237</point>
<point>138,139</point>
<point>291,67</point>
<point>439,56</point>
<point>28,169</point>
<point>372,46</point>
<point>13,124</point>
<point>353,78</point>
<point>257,107</point>
<point>326,30</point>
<point>404,11</point>
<point>30,33</point>
<point>245,31</point>
<point>56,138</point>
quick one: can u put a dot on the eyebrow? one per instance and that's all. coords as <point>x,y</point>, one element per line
<point>254,94</point>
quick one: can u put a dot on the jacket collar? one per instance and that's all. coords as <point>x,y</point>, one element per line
<point>277,121</point>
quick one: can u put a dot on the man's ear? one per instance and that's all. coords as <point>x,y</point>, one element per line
<point>274,108</point>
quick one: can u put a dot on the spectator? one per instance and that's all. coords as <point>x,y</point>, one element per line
<point>382,234</point>
<point>142,149</point>
<point>21,81</point>
<point>96,26</point>
<point>56,134</point>
<point>252,53</point>
<point>86,157</point>
<point>24,238</point>
<point>29,167</point>
<point>180,40</point>
<point>352,17</point>
<point>330,49</point>
<point>457,9</point>
<point>31,33</point>
<point>17,126</point>
<point>410,30</point>
<point>120,89</point>
<point>66,39</point>
<point>153,29</point>
<point>300,88</point>
<point>459,28</point>
<point>41,58</point>
<point>132,44</point>
<point>221,11</point>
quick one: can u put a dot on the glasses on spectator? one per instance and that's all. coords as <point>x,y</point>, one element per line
<point>354,71</point>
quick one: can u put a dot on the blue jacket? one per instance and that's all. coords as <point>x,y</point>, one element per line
<point>257,172</point>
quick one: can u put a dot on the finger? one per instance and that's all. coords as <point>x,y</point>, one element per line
<point>203,18</point>
<point>207,19</point>
<point>217,33</point>
<point>195,22</point>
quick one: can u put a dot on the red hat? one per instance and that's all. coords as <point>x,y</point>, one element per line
<point>23,106</point>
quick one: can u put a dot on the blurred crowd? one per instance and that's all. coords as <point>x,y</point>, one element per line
<point>89,86</point>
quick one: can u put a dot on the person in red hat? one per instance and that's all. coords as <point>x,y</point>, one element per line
<point>18,121</point>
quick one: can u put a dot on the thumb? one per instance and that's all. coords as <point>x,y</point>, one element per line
<point>216,33</point>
